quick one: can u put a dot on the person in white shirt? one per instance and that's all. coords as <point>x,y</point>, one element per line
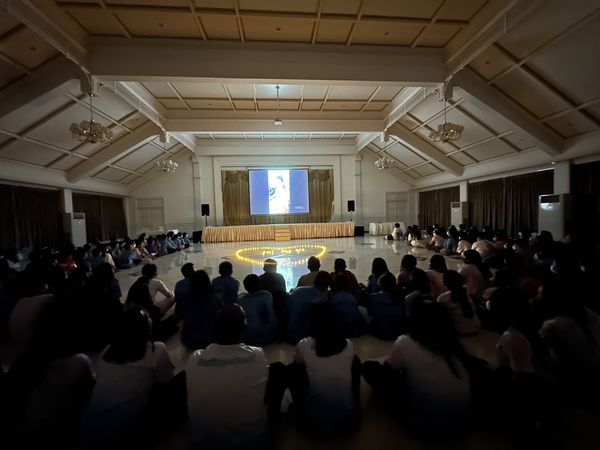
<point>127,371</point>
<point>167,299</point>
<point>226,389</point>
<point>459,305</point>
<point>425,377</point>
<point>325,383</point>
<point>397,232</point>
<point>437,269</point>
<point>484,247</point>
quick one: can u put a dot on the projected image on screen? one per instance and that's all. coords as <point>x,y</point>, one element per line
<point>278,191</point>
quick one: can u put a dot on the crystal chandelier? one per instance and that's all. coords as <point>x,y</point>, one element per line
<point>383,162</point>
<point>166,164</point>
<point>446,131</point>
<point>90,131</point>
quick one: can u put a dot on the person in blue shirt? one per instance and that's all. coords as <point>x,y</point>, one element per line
<point>170,243</point>
<point>185,240</point>
<point>346,308</point>
<point>183,287</point>
<point>299,304</point>
<point>225,286</point>
<point>261,327</point>
<point>385,312</point>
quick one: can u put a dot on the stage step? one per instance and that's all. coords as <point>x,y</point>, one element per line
<point>282,233</point>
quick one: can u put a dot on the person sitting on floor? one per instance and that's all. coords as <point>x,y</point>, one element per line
<point>227,389</point>
<point>484,247</point>
<point>325,382</point>
<point>183,287</point>
<point>270,279</point>
<point>463,243</point>
<point>346,308</point>
<point>127,371</point>
<point>170,244</point>
<point>397,232</point>
<point>313,264</point>
<point>420,293</point>
<point>225,286</point>
<point>262,328</point>
<point>437,269</point>
<point>298,306</point>
<point>156,286</point>
<point>437,240</point>
<point>424,378</point>
<point>378,269</point>
<point>385,312</point>
<point>339,269</point>
<point>473,274</point>
<point>460,307</point>
<point>197,312</point>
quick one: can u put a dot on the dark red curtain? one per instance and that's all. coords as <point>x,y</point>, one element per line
<point>585,190</point>
<point>104,216</point>
<point>434,206</point>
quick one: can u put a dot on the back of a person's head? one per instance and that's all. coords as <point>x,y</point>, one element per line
<point>139,292</point>
<point>396,225</point>
<point>187,270</point>
<point>421,281</point>
<point>325,329</point>
<point>453,280</point>
<point>225,268</point>
<point>104,271</point>
<point>270,265</point>
<point>322,280</point>
<point>200,285</point>
<point>431,326</point>
<point>409,262</point>
<point>340,283</point>
<point>252,283</point>
<point>339,265</point>
<point>387,282</point>
<point>130,337</point>
<point>149,270</point>
<point>438,263</point>
<point>230,323</point>
<point>379,266</point>
<point>472,257</point>
<point>313,264</point>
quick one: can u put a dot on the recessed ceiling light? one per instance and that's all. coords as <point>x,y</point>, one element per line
<point>278,122</point>
<point>386,33</point>
<point>33,48</point>
<point>160,24</point>
<point>278,29</point>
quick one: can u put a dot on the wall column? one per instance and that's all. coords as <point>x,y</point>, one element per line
<point>463,187</point>
<point>562,177</point>
<point>66,200</point>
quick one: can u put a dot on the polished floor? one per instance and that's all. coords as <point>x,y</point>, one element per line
<point>377,430</point>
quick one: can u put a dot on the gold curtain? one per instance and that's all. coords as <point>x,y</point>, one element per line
<point>236,200</point>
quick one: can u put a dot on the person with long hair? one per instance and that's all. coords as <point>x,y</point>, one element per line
<point>425,378</point>
<point>197,312</point>
<point>346,308</point>
<point>385,312</point>
<point>475,275</point>
<point>326,377</point>
<point>459,305</point>
<point>437,269</point>
<point>128,370</point>
<point>378,268</point>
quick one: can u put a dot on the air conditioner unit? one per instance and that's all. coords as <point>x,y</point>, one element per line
<point>75,229</point>
<point>554,214</point>
<point>459,213</point>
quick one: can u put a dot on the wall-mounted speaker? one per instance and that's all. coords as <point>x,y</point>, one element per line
<point>205,209</point>
<point>351,206</point>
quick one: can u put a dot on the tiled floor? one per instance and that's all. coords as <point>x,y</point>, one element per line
<point>377,430</point>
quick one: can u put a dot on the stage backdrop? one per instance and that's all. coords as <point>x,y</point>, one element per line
<point>236,200</point>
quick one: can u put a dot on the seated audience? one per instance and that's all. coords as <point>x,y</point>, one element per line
<point>127,372</point>
<point>313,264</point>
<point>484,247</point>
<point>386,314</point>
<point>463,243</point>
<point>459,305</point>
<point>47,386</point>
<point>424,378</point>
<point>262,328</point>
<point>270,279</point>
<point>326,377</point>
<point>437,269</point>
<point>149,273</point>
<point>437,240</point>
<point>451,242</point>
<point>197,312</point>
<point>299,303</point>
<point>169,243</point>
<point>472,273</point>
<point>339,269</point>
<point>346,308</point>
<point>225,286</point>
<point>397,232</point>
<point>227,389</point>
<point>378,269</point>
<point>420,293</point>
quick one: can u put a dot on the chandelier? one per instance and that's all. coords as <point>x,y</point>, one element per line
<point>446,131</point>
<point>166,164</point>
<point>383,162</point>
<point>90,131</point>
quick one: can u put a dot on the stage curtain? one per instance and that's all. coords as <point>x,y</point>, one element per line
<point>104,216</point>
<point>521,199</point>
<point>236,197</point>
<point>434,206</point>
<point>8,219</point>
<point>236,200</point>
<point>585,190</point>
<point>486,204</point>
<point>39,220</point>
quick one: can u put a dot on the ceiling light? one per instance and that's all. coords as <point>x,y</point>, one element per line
<point>383,162</point>
<point>90,131</point>
<point>277,122</point>
<point>166,164</point>
<point>446,131</point>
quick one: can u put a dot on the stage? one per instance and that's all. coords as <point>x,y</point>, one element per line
<point>279,232</point>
